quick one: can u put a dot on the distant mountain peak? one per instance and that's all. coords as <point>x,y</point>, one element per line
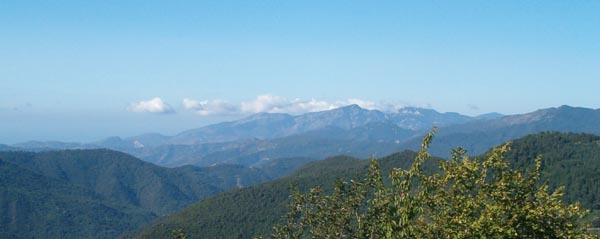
<point>492,115</point>
<point>575,108</point>
<point>567,107</point>
<point>265,115</point>
<point>352,107</point>
<point>410,111</point>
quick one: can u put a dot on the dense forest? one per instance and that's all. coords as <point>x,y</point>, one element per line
<point>567,159</point>
<point>100,193</point>
<point>103,193</point>
<point>466,198</point>
<point>37,206</point>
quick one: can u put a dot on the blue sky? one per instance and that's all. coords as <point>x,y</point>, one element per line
<point>82,70</point>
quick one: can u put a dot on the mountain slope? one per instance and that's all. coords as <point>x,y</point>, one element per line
<point>270,125</point>
<point>423,119</point>
<point>477,136</point>
<point>4,147</point>
<point>316,144</point>
<point>37,146</point>
<point>246,212</point>
<point>264,135</point>
<point>267,136</point>
<point>36,206</point>
<point>120,177</point>
<point>569,159</point>
<point>263,126</point>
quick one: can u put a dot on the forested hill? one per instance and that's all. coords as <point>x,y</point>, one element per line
<point>37,206</point>
<point>568,159</point>
<point>91,185</point>
<point>243,213</point>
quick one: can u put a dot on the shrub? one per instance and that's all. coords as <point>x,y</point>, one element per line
<point>466,198</point>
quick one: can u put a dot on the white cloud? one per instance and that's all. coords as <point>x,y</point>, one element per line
<point>265,103</point>
<point>303,106</point>
<point>277,104</point>
<point>211,107</point>
<point>155,105</point>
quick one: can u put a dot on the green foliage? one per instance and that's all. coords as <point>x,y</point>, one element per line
<point>122,178</point>
<point>251,211</point>
<point>179,234</point>
<point>243,213</point>
<point>37,206</point>
<point>279,167</point>
<point>568,159</point>
<point>100,193</point>
<point>466,198</point>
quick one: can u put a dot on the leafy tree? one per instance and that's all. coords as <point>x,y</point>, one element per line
<point>466,198</point>
<point>179,234</point>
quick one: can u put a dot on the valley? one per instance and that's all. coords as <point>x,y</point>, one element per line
<point>240,173</point>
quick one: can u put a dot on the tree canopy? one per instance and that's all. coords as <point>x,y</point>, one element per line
<point>466,197</point>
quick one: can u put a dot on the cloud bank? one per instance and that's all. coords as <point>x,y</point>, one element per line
<point>277,104</point>
<point>211,107</point>
<point>155,106</point>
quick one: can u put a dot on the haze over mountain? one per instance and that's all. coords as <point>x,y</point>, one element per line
<point>117,113</point>
<point>349,130</point>
<point>245,152</point>
<point>273,135</point>
<point>477,136</point>
<point>277,125</point>
<point>83,72</point>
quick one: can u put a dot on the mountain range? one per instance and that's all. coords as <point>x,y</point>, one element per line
<point>86,184</point>
<point>477,136</point>
<point>349,130</point>
<point>276,125</point>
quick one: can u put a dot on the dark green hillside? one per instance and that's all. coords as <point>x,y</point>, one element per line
<point>568,159</point>
<point>243,213</point>
<point>36,206</point>
<point>279,167</point>
<point>125,179</point>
